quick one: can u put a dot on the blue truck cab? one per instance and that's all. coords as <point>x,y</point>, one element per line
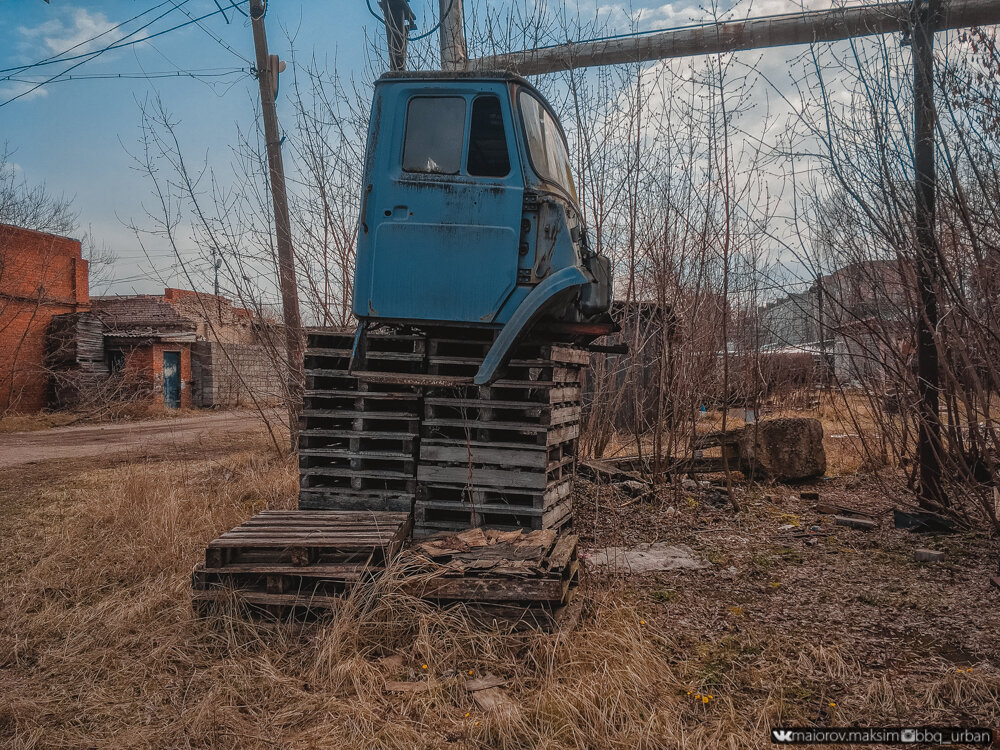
<point>469,215</point>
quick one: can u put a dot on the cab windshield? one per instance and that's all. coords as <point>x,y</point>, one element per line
<point>545,143</point>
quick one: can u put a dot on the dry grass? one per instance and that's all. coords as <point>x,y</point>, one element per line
<point>125,411</point>
<point>98,645</point>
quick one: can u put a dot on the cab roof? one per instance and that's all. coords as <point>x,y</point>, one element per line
<point>443,76</point>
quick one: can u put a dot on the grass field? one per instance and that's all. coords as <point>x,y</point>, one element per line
<point>99,647</point>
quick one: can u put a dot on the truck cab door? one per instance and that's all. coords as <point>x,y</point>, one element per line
<point>445,226</point>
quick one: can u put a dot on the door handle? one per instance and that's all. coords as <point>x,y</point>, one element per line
<point>364,208</point>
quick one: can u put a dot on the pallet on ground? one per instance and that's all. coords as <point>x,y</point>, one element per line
<point>283,561</point>
<point>431,515</point>
<point>491,567</point>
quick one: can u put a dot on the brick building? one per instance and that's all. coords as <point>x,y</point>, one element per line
<point>190,348</point>
<point>41,276</point>
<point>148,343</point>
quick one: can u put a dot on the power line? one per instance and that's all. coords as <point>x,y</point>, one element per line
<point>93,38</point>
<point>91,55</point>
<point>120,44</point>
<point>59,57</point>
<point>204,73</point>
<point>207,31</point>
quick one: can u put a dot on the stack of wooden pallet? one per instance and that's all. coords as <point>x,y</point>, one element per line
<point>503,455</point>
<point>358,440</point>
<point>293,562</point>
<point>514,575</point>
<point>411,431</point>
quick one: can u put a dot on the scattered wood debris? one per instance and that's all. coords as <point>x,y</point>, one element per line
<point>493,699</point>
<point>395,686</point>
<point>842,510</point>
<point>514,576</point>
<point>927,555</point>
<point>855,523</point>
<point>484,683</point>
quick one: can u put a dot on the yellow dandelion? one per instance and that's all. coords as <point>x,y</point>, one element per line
<point>642,622</point>
<point>689,692</point>
<point>704,699</point>
<point>477,723</point>
<point>832,704</point>
<point>470,671</point>
<point>423,666</point>
<point>697,695</point>
<point>466,714</point>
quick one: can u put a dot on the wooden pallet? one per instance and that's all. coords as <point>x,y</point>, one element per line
<point>286,562</point>
<point>490,567</point>
<point>358,440</point>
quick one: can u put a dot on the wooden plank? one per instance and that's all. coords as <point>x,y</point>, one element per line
<point>480,453</point>
<point>488,589</point>
<point>262,598</point>
<point>482,477</point>
<point>564,550</point>
<point>312,571</point>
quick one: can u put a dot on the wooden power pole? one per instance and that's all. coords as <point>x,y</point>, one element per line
<point>267,76</point>
<point>925,20</point>
<point>452,36</point>
<point>731,36</point>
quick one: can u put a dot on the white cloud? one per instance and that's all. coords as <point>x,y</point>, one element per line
<point>58,35</point>
<point>22,90</point>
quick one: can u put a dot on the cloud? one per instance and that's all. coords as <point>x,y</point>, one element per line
<point>58,35</point>
<point>22,90</point>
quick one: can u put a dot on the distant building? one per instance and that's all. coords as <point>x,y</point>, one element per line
<point>191,348</point>
<point>41,276</point>
<point>853,316</point>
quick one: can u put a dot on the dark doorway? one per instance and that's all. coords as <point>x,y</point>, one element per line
<point>171,379</point>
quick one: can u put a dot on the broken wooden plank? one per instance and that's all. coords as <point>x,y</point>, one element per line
<point>493,699</point>
<point>396,686</point>
<point>841,510</point>
<point>855,523</point>
<point>484,683</point>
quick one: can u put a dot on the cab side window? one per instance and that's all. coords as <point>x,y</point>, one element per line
<point>488,156</point>
<point>435,128</point>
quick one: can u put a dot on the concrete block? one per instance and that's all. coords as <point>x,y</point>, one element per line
<point>927,555</point>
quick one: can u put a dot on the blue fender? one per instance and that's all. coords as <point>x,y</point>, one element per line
<point>536,299</point>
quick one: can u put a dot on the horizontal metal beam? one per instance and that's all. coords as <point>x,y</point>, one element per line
<point>754,33</point>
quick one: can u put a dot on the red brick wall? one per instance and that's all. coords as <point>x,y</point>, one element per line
<point>41,275</point>
<point>145,364</point>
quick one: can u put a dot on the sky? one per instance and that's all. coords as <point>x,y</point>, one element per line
<point>75,134</point>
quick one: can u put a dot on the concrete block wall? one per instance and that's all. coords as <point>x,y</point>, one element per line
<point>234,375</point>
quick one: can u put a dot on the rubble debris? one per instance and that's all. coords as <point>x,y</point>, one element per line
<point>927,555</point>
<point>809,495</point>
<point>855,523</point>
<point>842,510</point>
<point>644,558</point>
<point>636,489</point>
<point>921,521</point>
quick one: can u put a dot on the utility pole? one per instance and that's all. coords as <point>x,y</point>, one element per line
<point>399,21</point>
<point>267,76</point>
<point>806,27</point>
<point>454,55</point>
<point>925,18</point>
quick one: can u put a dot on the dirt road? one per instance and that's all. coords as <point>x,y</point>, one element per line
<point>19,448</point>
